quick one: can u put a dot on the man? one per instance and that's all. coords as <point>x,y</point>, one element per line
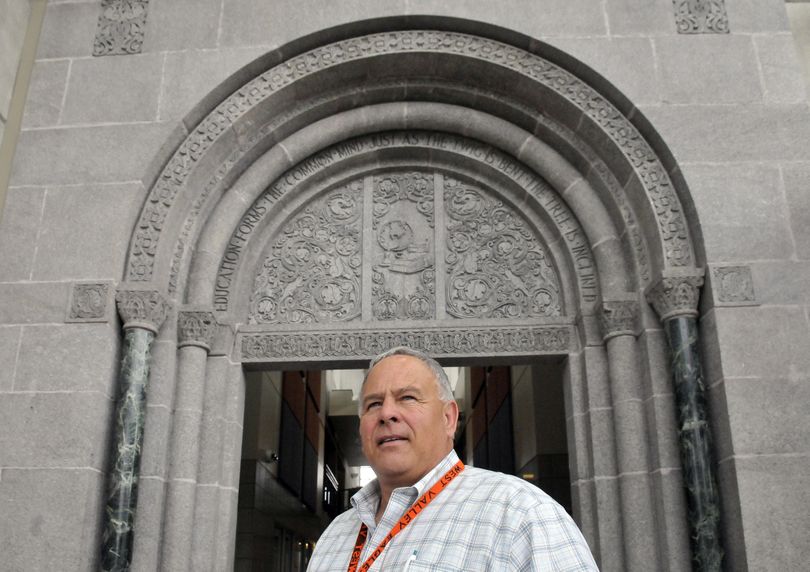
<point>425,510</point>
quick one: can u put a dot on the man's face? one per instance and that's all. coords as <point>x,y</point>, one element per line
<point>405,427</point>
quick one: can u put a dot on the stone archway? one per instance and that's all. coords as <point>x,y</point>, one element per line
<point>442,127</point>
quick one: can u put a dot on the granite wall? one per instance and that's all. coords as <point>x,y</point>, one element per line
<point>729,102</point>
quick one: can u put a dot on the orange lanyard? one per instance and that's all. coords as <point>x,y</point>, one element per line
<point>406,519</point>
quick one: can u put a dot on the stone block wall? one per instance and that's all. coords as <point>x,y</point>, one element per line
<point>731,107</point>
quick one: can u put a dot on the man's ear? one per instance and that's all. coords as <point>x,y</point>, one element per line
<point>451,417</point>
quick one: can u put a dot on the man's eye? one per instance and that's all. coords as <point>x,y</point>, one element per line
<point>372,405</point>
<point>408,398</point>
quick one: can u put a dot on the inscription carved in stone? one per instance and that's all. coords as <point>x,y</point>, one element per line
<point>89,302</point>
<point>496,267</point>
<point>701,16</point>
<point>368,343</point>
<point>403,271</point>
<point>733,285</point>
<point>312,273</point>
<point>596,108</point>
<point>121,27</point>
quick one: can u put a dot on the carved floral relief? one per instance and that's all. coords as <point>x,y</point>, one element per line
<point>496,266</point>
<point>403,268</point>
<point>313,271</point>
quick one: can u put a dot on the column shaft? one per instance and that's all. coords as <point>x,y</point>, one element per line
<point>695,443</point>
<point>182,484</point>
<point>122,495</point>
<point>632,454</point>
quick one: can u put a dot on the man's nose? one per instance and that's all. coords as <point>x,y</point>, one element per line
<point>388,411</point>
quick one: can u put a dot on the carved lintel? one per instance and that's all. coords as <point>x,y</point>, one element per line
<point>619,318</point>
<point>733,285</point>
<point>364,344</point>
<point>196,328</point>
<point>676,295</point>
<point>142,308</point>
<point>121,27</point>
<point>89,302</point>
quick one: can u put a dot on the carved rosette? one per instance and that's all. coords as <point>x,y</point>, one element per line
<point>89,302</point>
<point>619,318</point>
<point>676,296</point>
<point>313,271</point>
<point>496,266</point>
<point>145,309</point>
<point>733,285</point>
<point>196,328</point>
<point>701,16</point>
<point>121,27</point>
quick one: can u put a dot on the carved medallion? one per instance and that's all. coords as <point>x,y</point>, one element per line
<point>313,271</point>
<point>496,266</point>
<point>733,285</point>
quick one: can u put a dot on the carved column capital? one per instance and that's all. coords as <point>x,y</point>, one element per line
<point>619,318</point>
<point>196,327</point>
<point>141,308</point>
<point>676,295</point>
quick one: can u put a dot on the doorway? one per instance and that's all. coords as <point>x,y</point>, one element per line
<point>302,460</point>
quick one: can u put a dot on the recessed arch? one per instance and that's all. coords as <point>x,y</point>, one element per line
<point>516,117</point>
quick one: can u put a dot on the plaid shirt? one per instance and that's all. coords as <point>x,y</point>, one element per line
<point>481,521</point>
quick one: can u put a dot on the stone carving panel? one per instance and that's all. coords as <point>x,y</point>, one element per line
<point>496,266</point>
<point>121,27</point>
<point>701,16</point>
<point>369,343</point>
<point>403,267</point>
<point>89,302</point>
<point>196,328</point>
<point>733,285</point>
<point>312,273</point>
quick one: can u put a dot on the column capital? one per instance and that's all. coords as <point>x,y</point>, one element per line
<point>676,294</point>
<point>619,318</point>
<point>141,307</point>
<point>196,327</point>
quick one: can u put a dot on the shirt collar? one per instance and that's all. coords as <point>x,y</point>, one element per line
<point>367,499</point>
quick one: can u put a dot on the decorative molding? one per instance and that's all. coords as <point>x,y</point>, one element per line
<point>654,178</point>
<point>121,27</point>
<point>142,308</point>
<point>733,285</point>
<point>674,296</point>
<point>619,318</point>
<point>196,328</point>
<point>364,344</point>
<point>89,302</point>
<point>701,16</point>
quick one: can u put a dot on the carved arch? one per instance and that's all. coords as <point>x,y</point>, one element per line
<point>546,117</point>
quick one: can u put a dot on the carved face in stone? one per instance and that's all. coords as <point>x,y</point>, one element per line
<point>405,428</point>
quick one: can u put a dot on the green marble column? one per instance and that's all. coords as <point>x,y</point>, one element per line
<point>143,312</point>
<point>675,299</point>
